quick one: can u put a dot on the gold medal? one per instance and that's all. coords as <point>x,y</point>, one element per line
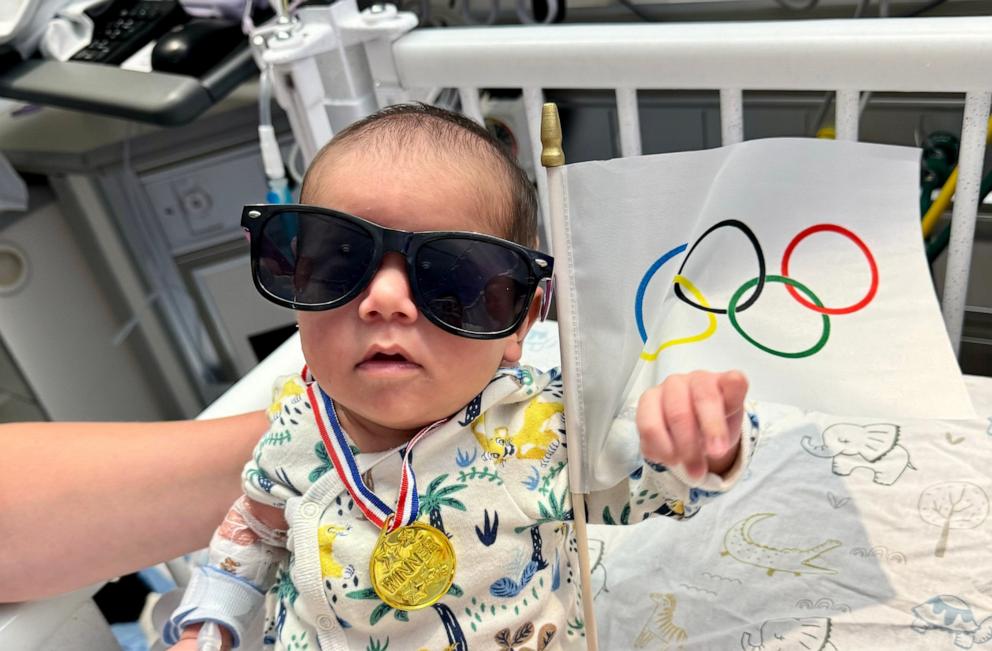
<point>413,567</point>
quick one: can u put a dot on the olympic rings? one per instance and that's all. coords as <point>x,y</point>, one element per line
<point>789,282</point>
<point>813,302</point>
<point>648,275</point>
<point>749,234</point>
<point>702,336</point>
<point>832,228</point>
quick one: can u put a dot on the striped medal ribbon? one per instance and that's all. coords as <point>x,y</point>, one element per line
<point>412,564</point>
<point>377,511</point>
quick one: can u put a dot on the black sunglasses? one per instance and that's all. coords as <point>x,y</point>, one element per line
<point>470,284</point>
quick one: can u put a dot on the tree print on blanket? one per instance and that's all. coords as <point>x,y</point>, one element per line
<point>953,505</point>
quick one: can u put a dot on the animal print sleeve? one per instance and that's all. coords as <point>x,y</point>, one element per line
<point>290,456</point>
<point>653,489</point>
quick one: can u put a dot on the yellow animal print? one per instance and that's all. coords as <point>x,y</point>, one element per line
<point>329,566</point>
<point>660,629</point>
<point>531,441</point>
<point>289,389</point>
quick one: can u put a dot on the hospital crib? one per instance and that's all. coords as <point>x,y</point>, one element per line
<point>338,64</point>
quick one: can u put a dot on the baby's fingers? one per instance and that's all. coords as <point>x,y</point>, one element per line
<point>711,414</point>
<point>680,419</point>
<point>733,386</point>
<point>656,442</point>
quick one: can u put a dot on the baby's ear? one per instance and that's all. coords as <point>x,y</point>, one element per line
<point>515,343</point>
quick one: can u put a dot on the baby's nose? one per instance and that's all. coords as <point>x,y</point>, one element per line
<point>388,295</point>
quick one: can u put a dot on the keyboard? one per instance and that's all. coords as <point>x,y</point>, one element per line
<point>122,27</point>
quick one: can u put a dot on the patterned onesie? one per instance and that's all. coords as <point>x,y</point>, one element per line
<point>493,478</point>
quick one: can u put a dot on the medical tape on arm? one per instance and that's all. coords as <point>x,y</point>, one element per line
<point>246,547</point>
<point>247,508</point>
<point>244,553</point>
<point>214,595</point>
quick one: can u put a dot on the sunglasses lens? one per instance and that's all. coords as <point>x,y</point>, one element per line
<point>472,285</point>
<point>312,259</point>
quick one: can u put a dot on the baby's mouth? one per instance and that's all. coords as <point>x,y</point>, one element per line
<point>386,361</point>
<point>383,357</point>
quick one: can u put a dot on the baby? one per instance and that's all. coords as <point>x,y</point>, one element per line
<point>412,489</point>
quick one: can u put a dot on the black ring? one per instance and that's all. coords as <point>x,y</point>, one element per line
<point>749,234</point>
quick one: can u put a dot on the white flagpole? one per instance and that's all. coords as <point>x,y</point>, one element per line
<point>552,158</point>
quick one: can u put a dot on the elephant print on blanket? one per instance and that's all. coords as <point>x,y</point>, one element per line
<point>873,447</point>
<point>790,634</point>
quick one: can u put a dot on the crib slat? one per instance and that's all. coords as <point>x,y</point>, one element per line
<point>965,214</point>
<point>470,103</point>
<point>848,114</point>
<point>629,121</point>
<point>731,115</point>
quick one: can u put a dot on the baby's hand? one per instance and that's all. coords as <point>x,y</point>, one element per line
<point>693,419</point>
<point>184,645</point>
<point>188,642</point>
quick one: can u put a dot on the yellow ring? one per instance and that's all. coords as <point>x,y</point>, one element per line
<point>705,334</point>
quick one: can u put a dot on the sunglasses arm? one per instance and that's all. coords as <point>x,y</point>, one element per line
<point>548,284</point>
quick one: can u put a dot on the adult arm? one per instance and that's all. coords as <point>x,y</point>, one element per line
<point>82,502</point>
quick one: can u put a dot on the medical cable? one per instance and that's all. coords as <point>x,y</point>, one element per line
<point>175,304</point>
<point>943,199</point>
<point>489,20</point>
<point>937,245</point>
<point>925,8</point>
<point>525,16</point>
<point>292,166</point>
<point>634,9</point>
<point>786,4</point>
<point>209,639</point>
<point>275,170</point>
<point>940,155</point>
<point>940,204</point>
<point>247,24</point>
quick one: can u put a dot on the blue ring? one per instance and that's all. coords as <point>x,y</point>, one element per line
<point>639,299</point>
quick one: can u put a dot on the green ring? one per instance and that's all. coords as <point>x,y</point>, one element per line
<point>732,313</point>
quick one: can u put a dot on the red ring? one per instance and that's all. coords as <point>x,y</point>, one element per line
<point>840,230</point>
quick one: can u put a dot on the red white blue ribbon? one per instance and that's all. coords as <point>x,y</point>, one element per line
<point>378,512</point>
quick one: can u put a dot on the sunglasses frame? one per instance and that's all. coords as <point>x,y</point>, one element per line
<point>406,243</point>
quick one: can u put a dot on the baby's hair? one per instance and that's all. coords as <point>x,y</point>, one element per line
<point>416,125</point>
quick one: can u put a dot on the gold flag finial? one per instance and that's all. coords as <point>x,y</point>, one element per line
<point>551,154</point>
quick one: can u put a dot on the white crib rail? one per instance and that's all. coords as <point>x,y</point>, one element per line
<point>846,56</point>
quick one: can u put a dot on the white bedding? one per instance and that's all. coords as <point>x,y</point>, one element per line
<point>894,554</point>
<point>815,552</point>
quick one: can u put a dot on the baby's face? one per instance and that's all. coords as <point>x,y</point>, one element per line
<point>389,369</point>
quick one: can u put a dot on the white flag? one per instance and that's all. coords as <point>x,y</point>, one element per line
<point>797,261</point>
